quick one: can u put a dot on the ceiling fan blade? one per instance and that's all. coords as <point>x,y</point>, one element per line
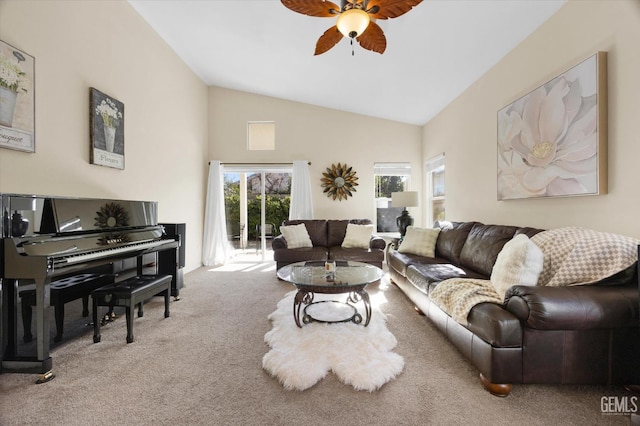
<point>330,38</point>
<point>373,38</point>
<point>383,9</point>
<point>320,8</point>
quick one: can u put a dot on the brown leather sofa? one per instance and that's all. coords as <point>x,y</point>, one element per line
<point>327,237</point>
<point>584,334</point>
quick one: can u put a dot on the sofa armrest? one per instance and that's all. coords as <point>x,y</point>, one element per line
<point>279,242</point>
<point>574,307</point>
<point>377,243</point>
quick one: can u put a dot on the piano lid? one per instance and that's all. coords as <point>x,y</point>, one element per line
<point>36,215</point>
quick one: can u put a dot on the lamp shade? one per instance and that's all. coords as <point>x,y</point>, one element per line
<point>353,22</point>
<point>404,199</point>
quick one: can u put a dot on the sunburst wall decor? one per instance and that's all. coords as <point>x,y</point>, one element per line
<point>339,181</point>
<point>112,215</point>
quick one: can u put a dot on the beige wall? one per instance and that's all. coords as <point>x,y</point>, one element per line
<point>320,135</point>
<point>466,129</point>
<point>107,45</point>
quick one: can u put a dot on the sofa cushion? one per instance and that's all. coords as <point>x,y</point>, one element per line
<point>451,239</point>
<point>482,246</point>
<point>296,236</point>
<point>518,263</point>
<point>529,232</point>
<point>357,236</point>
<point>401,261</point>
<point>423,276</point>
<point>336,231</point>
<point>357,255</point>
<point>421,241</point>
<point>284,257</point>
<point>317,229</point>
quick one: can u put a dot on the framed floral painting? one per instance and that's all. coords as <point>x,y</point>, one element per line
<point>552,142</point>
<point>106,124</point>
<point>17,99</point>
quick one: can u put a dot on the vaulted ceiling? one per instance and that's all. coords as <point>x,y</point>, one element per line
<point>434,52</point>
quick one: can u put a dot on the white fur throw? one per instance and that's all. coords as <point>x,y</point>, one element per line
<point>518,263</point>
<point>357,236</point>
<point>360,356</point>
<point>420,241</point>
<point>296,236</point>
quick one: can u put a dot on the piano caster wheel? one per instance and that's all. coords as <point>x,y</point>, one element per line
<point>109,317</point>
<point>46,377</point>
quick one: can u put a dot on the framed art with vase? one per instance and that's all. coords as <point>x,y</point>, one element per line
<point>106,124</point>
<point>17,99</point>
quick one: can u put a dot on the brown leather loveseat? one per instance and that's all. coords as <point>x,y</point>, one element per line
<point>578,334</point>
<point>327,237</point>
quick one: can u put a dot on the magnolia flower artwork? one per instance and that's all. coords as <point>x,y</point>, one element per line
<point>17,122</point>
<point>107,130</point>
<point>551,142</point>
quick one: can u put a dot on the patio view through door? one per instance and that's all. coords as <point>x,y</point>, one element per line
<point>257,201</point>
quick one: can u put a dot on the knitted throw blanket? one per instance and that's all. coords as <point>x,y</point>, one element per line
<point>574,256</point>
<point>456,296</point>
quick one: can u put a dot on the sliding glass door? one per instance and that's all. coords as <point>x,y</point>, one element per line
<point>257,201</point>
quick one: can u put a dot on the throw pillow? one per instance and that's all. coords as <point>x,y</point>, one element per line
<point>420,241</point>
<point>357,236</point>
<point>519,263</point>
<point>296,236</point>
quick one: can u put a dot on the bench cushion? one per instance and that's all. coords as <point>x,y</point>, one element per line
<point>133,285</point>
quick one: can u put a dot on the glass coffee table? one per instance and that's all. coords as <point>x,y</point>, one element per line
<point>339,277</point>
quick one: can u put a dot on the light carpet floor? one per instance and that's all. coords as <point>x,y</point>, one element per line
<point>203,366</point>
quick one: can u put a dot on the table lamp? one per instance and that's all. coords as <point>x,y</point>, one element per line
<point>404,199</point>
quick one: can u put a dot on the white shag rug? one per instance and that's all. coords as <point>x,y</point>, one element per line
<point>360,356</point>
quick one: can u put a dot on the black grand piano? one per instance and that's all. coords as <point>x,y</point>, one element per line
<point>44,238</point>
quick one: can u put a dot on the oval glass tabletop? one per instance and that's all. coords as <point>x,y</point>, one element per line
<point>314,273</point>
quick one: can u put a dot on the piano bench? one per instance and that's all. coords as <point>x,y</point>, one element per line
<point>129,293</point>
<point>61,292</point>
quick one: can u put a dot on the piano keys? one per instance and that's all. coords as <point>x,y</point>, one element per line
<point>44,238</point>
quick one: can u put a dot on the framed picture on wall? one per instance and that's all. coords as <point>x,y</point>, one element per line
<point>106,124</point>
<point>17,99</point>
<point>552,142</point>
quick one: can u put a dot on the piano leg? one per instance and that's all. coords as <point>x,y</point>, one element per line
<point>168,263</point>
<point>129,323</point>
<point>96,321</point>
<point>43,302</point>
<point>27,314</point>
<point>41,364</point>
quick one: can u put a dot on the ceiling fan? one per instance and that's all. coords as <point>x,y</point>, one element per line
<point>356,20</point>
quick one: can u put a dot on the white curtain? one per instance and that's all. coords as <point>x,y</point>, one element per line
<point>215,246</point>
<point>301,203</point>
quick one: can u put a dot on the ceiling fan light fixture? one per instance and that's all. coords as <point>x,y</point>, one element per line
<point>353,22</point>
